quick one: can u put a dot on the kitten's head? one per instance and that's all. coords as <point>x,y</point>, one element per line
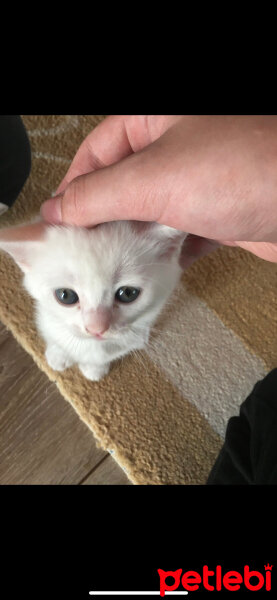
<point>100,281</point>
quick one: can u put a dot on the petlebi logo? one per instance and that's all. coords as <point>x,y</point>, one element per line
<point>215,580</point>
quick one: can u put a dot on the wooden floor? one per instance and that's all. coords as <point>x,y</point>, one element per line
<point>42,439</point>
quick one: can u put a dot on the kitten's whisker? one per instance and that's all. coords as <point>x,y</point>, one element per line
<point>152,344</point>
<point>139,358</point>
<point>136,351</point>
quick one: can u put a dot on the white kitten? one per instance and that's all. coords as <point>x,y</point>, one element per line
<point>97,291</point>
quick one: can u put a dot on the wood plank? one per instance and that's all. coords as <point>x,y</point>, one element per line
<point>107,472</point>
<point>42,439</point>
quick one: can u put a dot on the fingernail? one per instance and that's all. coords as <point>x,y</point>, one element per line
<point>51,210</point>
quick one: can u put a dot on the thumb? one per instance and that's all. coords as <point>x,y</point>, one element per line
<point>120,191</point>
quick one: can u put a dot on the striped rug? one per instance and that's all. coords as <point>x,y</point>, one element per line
<point>162,413</point>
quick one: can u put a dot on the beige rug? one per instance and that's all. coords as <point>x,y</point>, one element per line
<point>161,414</point>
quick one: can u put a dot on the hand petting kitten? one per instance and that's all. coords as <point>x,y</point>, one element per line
<point>113,244</point>
<point>211,175</point>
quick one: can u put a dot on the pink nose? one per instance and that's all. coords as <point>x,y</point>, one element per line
<point>97,321</point>
<point>93,331</point>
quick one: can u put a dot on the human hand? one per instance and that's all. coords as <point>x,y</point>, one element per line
<point>213,176</point>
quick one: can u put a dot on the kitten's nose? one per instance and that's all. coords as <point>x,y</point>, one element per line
<point>97,321</point>
<point>92,331</point>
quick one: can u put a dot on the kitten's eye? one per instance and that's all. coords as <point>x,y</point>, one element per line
<point>66,296</point>
<point>127,294</point>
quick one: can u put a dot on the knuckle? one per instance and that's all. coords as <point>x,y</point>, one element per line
<point>72,205</point>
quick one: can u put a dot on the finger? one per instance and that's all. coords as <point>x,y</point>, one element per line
<point>107,143</point>
<point>113,139</point>
<point>265,250</point>
<point>120,191</point>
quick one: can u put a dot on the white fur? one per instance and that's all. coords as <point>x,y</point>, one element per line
<point>95,263</point>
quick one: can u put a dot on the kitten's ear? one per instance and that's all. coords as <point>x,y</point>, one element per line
<point>164,232</point>
<point>170,239</point>
<point>23,242</point>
